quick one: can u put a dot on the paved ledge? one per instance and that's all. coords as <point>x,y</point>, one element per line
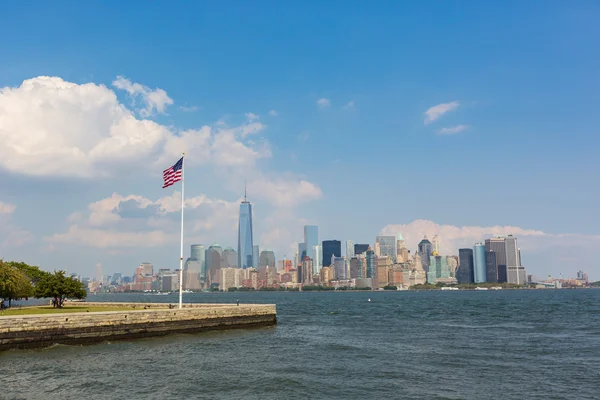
<point>40,330</point>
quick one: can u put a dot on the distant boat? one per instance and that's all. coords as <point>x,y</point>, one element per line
<point>481,288</point>
<point>496,288</point>
<point>449,288</point>
<point>369,300</point>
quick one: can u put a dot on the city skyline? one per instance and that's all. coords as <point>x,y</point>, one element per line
<point>359,129</point>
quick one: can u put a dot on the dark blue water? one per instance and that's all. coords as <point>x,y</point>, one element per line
<point>416,345</point>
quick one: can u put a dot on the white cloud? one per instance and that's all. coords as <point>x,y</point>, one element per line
<point>273,113</point>
<point>154,100</point>
<point>436,112</point>
<point>251,117</point>
<point>349,106</point>
<point>188,108</point>
<point>453,129</point>
<point>323,103</point>
<point>541,252</point>
<point>6,208</point>
<point>50,127</point>
<point>285,191</point>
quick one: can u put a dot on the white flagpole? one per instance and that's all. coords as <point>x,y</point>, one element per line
<point>181,252</point>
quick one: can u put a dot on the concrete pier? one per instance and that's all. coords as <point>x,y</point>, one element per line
<point>135,321</point>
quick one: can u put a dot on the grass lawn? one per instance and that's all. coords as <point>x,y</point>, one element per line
<point>66,309</point>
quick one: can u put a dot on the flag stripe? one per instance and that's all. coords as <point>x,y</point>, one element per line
<point>172,174</point>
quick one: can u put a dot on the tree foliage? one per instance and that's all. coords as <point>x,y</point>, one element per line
<point>58,286</point>
<point>14,283</point>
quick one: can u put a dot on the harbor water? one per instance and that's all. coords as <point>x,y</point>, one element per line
<point>509,344</point>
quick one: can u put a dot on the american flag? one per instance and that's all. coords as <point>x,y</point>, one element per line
<point>172,174</point>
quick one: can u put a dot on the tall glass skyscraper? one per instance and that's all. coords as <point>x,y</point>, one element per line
<point>425,251</point>
<point>311,239</point>
<point>245,243</point>
<point>479,262</point>
<point>198,253</point>
<point>464,274</point>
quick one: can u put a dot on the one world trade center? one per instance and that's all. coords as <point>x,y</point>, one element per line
<point>245,243</point>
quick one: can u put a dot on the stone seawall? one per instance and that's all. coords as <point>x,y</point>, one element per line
<point>29,331</point>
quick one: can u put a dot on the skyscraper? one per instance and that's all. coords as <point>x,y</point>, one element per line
<point>498,246</point>
<point>479,263</point>
<point>317,262</point>
<point>311,239</point>
<point>331,248</point>
<point>360,248</point>
<point>425,251</point>
<point>340,271</point>
<point>465,273</point>
<point>491,268</point>
<point>267,259</point>
<point>349,249</point>
<point>387,246</point>
<point>371,264</point>
<point>213,263</point>
<point>231,257</point>
<point>255,255</point>
<point>301,252</point>
<point>245,243</point>
<point>515,273</point>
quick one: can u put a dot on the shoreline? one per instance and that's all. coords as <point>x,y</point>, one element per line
<point>136,320</point>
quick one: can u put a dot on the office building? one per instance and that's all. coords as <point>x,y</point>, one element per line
<point>306,276</point>
<point>147,269</point>
<point>311,239</point>
<point>255,255</point>
<point>301,252</point>
<point>340,268</point>
<point>267,259</point>
<point>498,246</point>
<point>230,256</point>
<point>371,262</point>
<point>349,249</point>
<point>245,241</point>
<point>491,271</point>
<point>438,270</point>
<point>318,260</point>
<point>515,272</point>
<point>425,251</point>
<point>331,248</point>
<point>387,246</point>
<point>465,273</point>
<point>479,263</point>
<point>213,263</point>
<point>358,267</point>
<point>360,248</point>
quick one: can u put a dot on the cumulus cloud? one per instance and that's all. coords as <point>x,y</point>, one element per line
<point>453,129</point>
<point>285,191</point>
<point>154,100</point>
<point>189,108</point>
<point>436,112</point>
<point>323,103</point>
<point>542,252</point>
<point>51,127</point>
<point>6,208</point>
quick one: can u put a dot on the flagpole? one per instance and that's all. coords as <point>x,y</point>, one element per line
<point>181,252</point>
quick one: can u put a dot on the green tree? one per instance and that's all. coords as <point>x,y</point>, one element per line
<point>14,284</point>
<point>58,286</point>
<point>34,273</point>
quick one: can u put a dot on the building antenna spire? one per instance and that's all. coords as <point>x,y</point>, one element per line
<point>245,197</point>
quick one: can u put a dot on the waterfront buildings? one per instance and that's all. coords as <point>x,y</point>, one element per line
<point>371,263</point>
<point>331,248</point>
<point>465,273</point>
<point>479,263</point>
<point>318,260</point>
<point>230,256</point>
<point>213,263</point>
<point>255,255</point>
<point>498,246</point>
<point>439,270</point>
<point>340,270</point>
<point>245,241</point>
<point>515,273</point>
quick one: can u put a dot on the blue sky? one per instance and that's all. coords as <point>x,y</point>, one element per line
<point>520,83</point>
